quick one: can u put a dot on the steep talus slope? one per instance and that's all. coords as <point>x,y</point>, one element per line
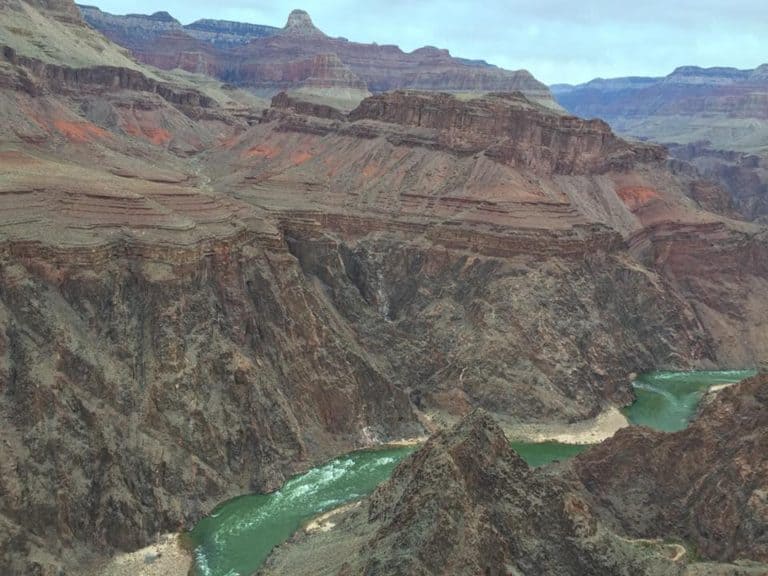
<point>707,485</point>
<point>714,118</point>
<point>280,60</point>
<point>467,504</point>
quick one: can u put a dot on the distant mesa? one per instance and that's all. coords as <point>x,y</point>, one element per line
<point>267,60</point>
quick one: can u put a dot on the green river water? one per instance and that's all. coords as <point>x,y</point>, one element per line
<point>668,400</point>
<point>239,534</point>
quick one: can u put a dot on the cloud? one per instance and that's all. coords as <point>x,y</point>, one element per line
<point>557,40</point>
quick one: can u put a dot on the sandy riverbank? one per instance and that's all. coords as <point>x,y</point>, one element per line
<point>591,431</point>
<point>717,387</point>
<point>164,558</point>
<point>324,522</point>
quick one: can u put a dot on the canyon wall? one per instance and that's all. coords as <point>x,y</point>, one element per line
<point>199,297</point>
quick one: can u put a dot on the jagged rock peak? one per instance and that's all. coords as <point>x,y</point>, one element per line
<point>300,24</point>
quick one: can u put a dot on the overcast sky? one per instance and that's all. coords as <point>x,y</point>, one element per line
<point>557,40</point>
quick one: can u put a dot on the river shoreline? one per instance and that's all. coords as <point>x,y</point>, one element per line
<point>592,431</point>
<point>166,557</point>
<point>169,557</point>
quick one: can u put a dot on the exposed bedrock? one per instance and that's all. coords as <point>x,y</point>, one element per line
<point>467,504</point>
<point>743,176</point>
<point>706,485</point>
<point>723,274</point>
<point>531,336</point>
<point>640,503</point>
<point>138,393</point>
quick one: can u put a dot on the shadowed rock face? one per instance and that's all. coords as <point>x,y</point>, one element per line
<point>707,485</point>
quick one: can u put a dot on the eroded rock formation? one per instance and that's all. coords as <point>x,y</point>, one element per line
<point>199,297</point>
<point>706,485</point>
<point>714,118</point>
<point>466,504</point>
<point>690,503</point>
<point>279,59</point>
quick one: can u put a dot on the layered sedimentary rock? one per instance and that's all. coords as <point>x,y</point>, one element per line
<point>278,59</point>
<point>714,118</point>
<point>743,175</point>
<point>706,485</point>
<point>332,83</point>
<point>689,91</point>
<point>198,297</point>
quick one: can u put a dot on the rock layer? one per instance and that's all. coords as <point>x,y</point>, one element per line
<point>272,62</point>
<point>198,297</point>
<point>714,118</point>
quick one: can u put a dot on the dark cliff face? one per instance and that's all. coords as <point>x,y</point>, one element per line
<point>198,299</point>
<point>137,394</point>
<point>408,303</point>
<point>707,485</point>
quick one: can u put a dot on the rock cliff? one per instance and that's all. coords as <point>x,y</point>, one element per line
<point>714,118</point>
<point>706,485</point>
<point>273,60</point>
<point>466,504</point>
<point>200,296</point>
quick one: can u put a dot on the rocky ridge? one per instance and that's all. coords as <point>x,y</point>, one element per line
<point>466,503</point>
<point>716,119</point>
<point>705,485</point>
<point>270,63</point>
